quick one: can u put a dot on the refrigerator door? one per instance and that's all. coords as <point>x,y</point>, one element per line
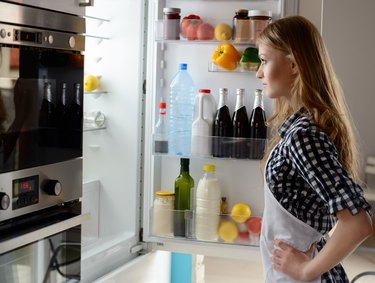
<point>112,138</point>
<point>240,179</point>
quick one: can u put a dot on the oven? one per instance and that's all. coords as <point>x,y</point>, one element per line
<point>41,111</point>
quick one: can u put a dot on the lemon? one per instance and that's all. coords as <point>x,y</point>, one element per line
<point>90,83</point>
<point>240,212</point>
<point>223,32</point>
<point>228,231</point>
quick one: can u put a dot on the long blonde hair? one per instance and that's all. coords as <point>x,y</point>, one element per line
<point>316,86</point>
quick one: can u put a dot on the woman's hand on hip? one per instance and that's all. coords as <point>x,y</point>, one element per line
<point>291,261</point>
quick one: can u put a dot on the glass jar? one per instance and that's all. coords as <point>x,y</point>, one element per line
<point>241,26</point>
<point>162,224</point>
<point>171,23</point>
<point>258,21</point>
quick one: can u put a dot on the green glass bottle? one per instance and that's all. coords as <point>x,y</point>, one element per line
<point>183,187</point>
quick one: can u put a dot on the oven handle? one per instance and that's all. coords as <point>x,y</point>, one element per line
<point>42,233</point>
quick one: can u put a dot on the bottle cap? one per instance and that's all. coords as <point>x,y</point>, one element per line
<point>163,105</point>
<point>165,193</point>
<point>205,91</point>
<point>171,10</point>
<point>260,13</point>
<point>241,11</point>
<point>183,66</point>
<point>209,167</point>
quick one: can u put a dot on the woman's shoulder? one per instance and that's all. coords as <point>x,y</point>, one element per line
<point>305,132</point>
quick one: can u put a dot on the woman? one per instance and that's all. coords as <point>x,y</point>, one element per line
<point>311,172</point>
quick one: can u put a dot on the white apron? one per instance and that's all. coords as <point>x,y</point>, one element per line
<point>280,224</point>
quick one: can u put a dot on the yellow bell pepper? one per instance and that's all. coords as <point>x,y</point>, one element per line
<point>226,56</point>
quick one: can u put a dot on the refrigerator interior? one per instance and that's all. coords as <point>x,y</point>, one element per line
<point>240,180</point>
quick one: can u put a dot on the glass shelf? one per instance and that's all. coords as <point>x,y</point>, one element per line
<point>227,231</point>
<point>159,36</point>
<point>96,93</point>
<point>241,68</point>
<point>246,148</point>
<point>90,129</point>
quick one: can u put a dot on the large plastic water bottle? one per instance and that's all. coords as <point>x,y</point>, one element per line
<point>182,96</point>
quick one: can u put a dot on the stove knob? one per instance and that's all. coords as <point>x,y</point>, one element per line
<point>53,187</point>
<point>3,33</point>
<point>4,201</point>
<point>72,42</point>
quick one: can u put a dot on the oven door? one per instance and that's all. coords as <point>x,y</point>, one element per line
<point>44,247</point>
<point>41,106</point>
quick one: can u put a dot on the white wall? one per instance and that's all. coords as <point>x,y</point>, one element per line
<point>348,30</point>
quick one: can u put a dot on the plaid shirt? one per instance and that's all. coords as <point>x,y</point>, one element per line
<point>305,176</point>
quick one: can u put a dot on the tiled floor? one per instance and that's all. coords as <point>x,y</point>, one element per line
<point>220,270</point>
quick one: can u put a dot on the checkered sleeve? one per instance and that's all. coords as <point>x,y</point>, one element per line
<point>316,159</point>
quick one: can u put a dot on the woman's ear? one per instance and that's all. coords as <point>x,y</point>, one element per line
<point>294,67</point>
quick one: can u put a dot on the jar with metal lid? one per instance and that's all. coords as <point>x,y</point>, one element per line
<point>258,21</point>
<point>162,224</point>
<point>241,26</point>
<point>171,23</point>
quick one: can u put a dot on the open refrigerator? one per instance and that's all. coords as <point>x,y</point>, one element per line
<point>125,48</point>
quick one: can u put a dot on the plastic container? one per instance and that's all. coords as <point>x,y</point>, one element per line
<point>241,26</point>
<point>162,224</point>
<point>207,205</point>
<point>209,105</point>
<point>171,23</point>
<point>258,21</point>
<point>202,125</point>
<point>182,96</point>
<point>161,131</point>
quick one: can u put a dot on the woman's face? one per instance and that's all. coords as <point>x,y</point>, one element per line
<point>277,72</point>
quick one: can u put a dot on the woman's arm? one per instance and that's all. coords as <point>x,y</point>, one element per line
<point>350,232</point>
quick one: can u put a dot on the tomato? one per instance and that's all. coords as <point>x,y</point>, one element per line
<point>254,225</point>
<point>205,31</point>
<point>191,20</point>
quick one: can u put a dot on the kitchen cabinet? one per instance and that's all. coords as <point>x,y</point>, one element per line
<point>75,7</point>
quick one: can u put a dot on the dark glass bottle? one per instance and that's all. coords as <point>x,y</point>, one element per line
<point>76,118</point>
<point>240,122</point>
<point>183,187</point>
<point>62,116</point>
<point>222,128</point>
<point>47,117</point>
<point>258,127</point>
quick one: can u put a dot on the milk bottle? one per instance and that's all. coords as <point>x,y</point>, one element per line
<point>207,205</point>
<point>202,124</point>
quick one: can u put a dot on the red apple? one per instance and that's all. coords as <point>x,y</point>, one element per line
<point>243,236</point>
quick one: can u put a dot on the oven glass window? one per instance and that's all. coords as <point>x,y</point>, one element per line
<point>51,260</point>
<point>40,107</point>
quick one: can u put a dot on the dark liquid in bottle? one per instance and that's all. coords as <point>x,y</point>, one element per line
<point>258,133</point>
<point>222,133</point>
<point>240,130</point>
<point>161,146</point>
